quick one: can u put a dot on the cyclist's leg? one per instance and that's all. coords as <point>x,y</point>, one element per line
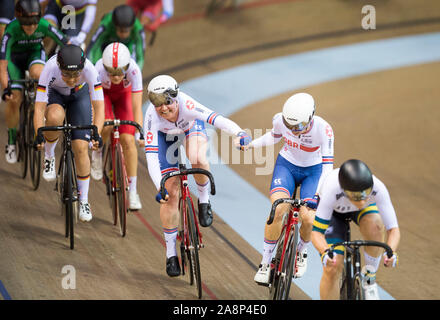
<point>15,69</point>
<point>96,162</point>
<point>79,112</point>
<point>169,212</point>
<point>282,186</point>
<point>329,285</point>
<point>36,63</point>
<point>196,148</point>
<point>53,16</point>
<point>371,228</point>
<point>6,15</point>
<point>308,189</point>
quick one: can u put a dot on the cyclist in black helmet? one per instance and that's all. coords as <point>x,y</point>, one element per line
<point>69,87</point>
<point>353,190</point>
<point>120,25</point>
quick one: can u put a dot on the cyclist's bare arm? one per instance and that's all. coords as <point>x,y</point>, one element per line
<point>136,98</point>
<point>4,73</point>
<point>98,109</point>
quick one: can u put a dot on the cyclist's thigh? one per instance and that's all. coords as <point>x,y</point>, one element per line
<point>53,13</point>
<point>152,10</point>
<point>371,209</point>
<point>74,28</point>
<point>168,146</point>
<point>16,68</point>
<point>6,12</point>
<point>310,183</point>
<point>79,112</point>
<point>335,231</point>
<point>197,143</point>
<point>282,178</point>
<point>123,110</point>
<point>36,62</point>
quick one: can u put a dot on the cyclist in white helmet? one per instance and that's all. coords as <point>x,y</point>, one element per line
<point>121,80</point>
<point>171,115</point>
<point>305,159</point>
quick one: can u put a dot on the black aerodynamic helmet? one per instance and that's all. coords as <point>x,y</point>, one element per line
<point>354,175</point>
<point>28,11</point>
<point>123,16</point>
<point>71,58</point>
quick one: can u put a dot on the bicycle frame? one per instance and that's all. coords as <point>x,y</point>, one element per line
<point>189,234</point>
<point>67,157</point>
<point>283,274</point>
<point>114,148</point>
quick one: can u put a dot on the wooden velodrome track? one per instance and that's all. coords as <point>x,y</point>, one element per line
<point>32,246</point>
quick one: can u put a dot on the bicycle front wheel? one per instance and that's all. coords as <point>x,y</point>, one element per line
<point>69,198</point>
<point>193,248</point>
<point>121,189</point>
<point>288,265</point>
<point>21,140</point>
<point>34,154</point>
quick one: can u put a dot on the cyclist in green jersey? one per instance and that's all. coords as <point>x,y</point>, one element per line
<point>21,50</point>
<point>120,25</point>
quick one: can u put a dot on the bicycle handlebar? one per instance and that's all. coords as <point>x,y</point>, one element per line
<point>359,243</point>
<point>118,123</point>
<point>294,202</point>
<point>68,127</point>
<point>184,173</point>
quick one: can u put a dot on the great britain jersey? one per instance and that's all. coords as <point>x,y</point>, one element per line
<point>332,198</point>
<point>189,111</point>
<point>51,79</point>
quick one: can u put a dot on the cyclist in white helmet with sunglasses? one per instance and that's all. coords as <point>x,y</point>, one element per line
<point>121,80</point>
<point>305,159</point>
<point>172,116</point>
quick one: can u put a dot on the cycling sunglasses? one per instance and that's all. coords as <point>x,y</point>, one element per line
<point>160,99</point>
<point>71,73</point>
<point>30,20</point>
<point>296,127</point>
<point>358,195</point>
<point>116,71</point>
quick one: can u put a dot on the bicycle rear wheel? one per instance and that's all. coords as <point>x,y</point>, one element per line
<point>34,154</point>
<point>194,262</point>
<point>121,190</point>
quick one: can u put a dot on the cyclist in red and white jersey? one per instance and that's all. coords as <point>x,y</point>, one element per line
<point>305,159</point>
<point>152,13</point>
<point>352,190</point>
<point>69,88</point>
<point>173,116</point>
<point>122,83</point>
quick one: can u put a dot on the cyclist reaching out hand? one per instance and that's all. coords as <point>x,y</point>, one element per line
<point>172,113</point>
<point>122,82</point>
<point>305,159</point>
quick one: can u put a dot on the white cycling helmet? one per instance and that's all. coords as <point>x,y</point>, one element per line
<point>298,111</point>
<point>116,58</point>
<point>162,90</point>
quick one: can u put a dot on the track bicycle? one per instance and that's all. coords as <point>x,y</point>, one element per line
<point>66,183</point>
<point>26,154</point>
<point>115,174</point>
<point>283,265</point>
<point>352,275</point>
<point>189,233</point>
